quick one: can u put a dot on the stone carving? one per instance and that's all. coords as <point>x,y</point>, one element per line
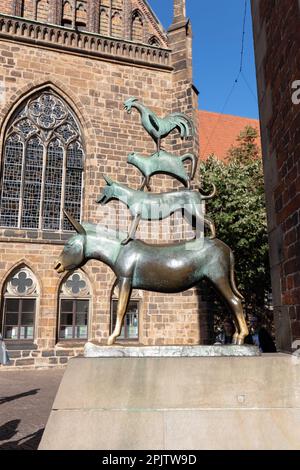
<point>57,37</point>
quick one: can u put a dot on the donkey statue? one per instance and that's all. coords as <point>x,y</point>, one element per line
<point>158,268</point>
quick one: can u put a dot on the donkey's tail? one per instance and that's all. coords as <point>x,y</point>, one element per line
<point>232,278</point>
<point>194,161</point>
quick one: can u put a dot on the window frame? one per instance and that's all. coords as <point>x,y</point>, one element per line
<point>10,292</point>
<point>73,300</point>
<point>19,325</point>
<point>112,325</point>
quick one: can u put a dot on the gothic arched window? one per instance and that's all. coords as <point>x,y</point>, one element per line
<point>104,22</point>
<point>19,306</point>
<point>81,16</point>
<point>154,41</point>
<point>74,305</point>
<point>137,31</point>
<point>116,25</point>
<point>67,17</point>
<point>42,166</point>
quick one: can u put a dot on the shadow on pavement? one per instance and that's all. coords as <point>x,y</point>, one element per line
<point>9,429</point>
<point>30,442</point>
<point>20,395</point>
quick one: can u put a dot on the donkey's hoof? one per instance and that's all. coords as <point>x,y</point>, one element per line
<point>235,339</point>
<point>240,341</point>
<point>111,341</point>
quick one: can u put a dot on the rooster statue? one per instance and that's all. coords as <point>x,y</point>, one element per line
<point>159,128</point>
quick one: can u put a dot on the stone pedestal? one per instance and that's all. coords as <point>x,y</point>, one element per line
<point>164,403</point>
<point>92,350</point>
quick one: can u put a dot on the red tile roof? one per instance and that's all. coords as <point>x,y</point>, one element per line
<point>218,132</point>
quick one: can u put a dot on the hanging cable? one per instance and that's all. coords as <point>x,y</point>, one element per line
<point>236,79</point>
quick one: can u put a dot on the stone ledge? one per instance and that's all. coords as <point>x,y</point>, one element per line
<point>84,43</point>
<point>91,350</point>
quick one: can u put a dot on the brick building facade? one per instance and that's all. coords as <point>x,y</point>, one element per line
<point>66,67</point>
<point>277,39</point>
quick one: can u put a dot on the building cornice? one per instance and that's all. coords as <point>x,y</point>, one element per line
<point>84,43</point>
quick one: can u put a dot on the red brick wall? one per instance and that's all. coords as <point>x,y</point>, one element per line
<point>277,41</point>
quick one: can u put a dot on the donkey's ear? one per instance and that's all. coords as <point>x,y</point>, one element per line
<point>78,227</point>
<point>108,180</point>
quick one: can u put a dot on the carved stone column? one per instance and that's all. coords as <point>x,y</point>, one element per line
<point>56,7</point>
<point>93,16</point>
<point>127,19</point>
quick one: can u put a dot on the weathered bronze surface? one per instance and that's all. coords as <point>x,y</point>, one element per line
<point>164,163</point>
<point>159,128</point>
<point>146,206</point>
<point>159,268</point>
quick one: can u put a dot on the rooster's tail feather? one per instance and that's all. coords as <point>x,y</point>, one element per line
<point>184,123</point>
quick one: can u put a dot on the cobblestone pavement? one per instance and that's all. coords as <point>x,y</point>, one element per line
<point>26,398</point>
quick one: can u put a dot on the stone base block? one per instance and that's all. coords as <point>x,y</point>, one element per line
<point>167,403</point>
<point>92,350</point>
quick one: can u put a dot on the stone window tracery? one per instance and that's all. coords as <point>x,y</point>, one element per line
<point>42,166</point>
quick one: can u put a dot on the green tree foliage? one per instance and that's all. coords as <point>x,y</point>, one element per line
<point>240,216</point>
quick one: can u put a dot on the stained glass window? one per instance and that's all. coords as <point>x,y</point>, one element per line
<point>42,166</point>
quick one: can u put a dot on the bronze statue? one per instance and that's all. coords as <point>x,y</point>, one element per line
<point>163,163</point>
<point>146,206</point>
<point>159,128</point>
<point>159,268</point>
<point>166,269</point>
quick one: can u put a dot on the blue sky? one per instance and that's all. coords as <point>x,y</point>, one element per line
<point>217,41</point>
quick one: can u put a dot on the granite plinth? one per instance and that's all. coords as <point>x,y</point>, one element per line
<point>92,350</point>
<point>170,403</point>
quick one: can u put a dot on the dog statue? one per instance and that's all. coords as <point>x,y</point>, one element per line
<point>146,206</point>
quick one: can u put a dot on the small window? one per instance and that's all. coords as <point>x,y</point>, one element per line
<point>19,306</point>
<point>74,308</point>
<point>130,329</point>
<point>74,319</point>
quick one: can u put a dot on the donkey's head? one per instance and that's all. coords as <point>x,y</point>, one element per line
<point>109,192</point>
<point>72,256</point>
<point>128,105</point>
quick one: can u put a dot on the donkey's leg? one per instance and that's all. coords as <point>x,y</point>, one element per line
<point>133,229</point>
<point>125,287</point>
<point>113,289</point>
<point>236,307</point>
